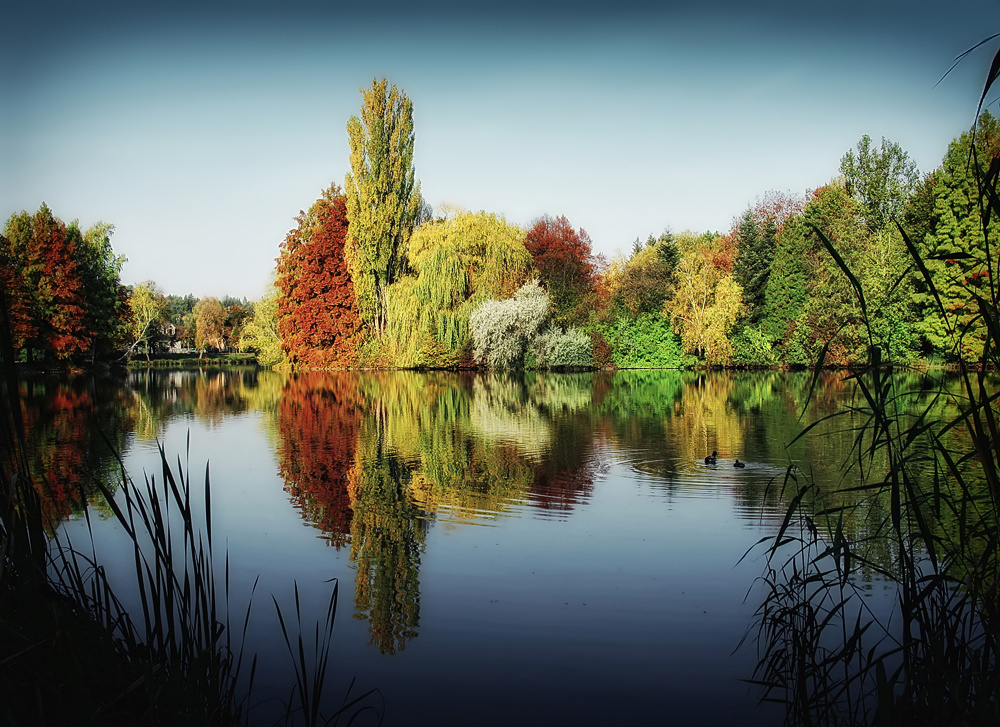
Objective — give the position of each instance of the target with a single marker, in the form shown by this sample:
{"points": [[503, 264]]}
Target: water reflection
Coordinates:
{"points": [[66, 421], [373, 460]]}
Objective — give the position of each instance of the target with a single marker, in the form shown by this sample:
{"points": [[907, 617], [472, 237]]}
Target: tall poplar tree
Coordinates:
{"points": [[383, 200]]}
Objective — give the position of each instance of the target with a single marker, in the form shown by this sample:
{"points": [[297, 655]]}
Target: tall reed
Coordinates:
{"points": [[927, 483]]}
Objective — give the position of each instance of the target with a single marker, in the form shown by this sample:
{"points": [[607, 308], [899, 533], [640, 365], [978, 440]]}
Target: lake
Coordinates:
{"points": [[510, 549]]}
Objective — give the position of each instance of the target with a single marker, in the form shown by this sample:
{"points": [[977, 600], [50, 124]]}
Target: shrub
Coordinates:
{"points": [[555, 348], [502, 329]]}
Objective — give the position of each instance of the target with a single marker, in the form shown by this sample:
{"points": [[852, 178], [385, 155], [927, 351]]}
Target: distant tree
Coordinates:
{"points": [[881, 180], [318, 319], [642, 283], [756, 241], [260, 332], [237, 315], [566, 265], [788, 285], [148, 311], [210, 320], [383, 199], [105, 298]]}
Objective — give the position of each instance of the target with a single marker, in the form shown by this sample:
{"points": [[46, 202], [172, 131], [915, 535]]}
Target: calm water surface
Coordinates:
{"points": [[541, 549]]}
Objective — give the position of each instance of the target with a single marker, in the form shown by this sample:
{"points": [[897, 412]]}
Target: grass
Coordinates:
{"points": [[924, 477]]}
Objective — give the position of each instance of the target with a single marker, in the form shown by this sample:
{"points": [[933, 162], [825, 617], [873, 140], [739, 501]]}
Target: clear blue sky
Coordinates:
{"points": [[200, 129]]}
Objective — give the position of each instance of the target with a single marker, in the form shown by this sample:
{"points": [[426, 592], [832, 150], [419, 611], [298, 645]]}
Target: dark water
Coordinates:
{"points": [[540, 549]]}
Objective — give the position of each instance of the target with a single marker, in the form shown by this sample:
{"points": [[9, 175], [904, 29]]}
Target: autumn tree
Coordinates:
{"points": [[209, 321], [642, 283], [317, 315], [147, 312], [42, 263], [706, 301], [382, 198], [566, 265]]}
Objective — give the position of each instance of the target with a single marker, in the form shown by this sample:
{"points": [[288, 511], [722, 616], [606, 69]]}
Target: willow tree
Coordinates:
{"points": [[383, 200], [457, 263]]}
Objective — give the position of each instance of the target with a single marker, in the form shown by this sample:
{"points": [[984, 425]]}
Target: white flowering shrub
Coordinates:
{"points": [[555, 348], [502, 329]]}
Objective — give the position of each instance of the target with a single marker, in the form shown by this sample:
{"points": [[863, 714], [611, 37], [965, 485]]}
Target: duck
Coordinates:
{"points": [[737, 463], [710, 459]]}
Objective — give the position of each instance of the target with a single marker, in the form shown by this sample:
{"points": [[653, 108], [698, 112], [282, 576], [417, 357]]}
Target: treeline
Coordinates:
{"points": [[372, 276], [67, 304]]}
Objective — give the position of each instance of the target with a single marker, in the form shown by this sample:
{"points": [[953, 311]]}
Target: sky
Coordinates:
{"points": [[200, 129]]}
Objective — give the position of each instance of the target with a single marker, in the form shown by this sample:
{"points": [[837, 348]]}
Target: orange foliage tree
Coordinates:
{"points": [[317, 314]]}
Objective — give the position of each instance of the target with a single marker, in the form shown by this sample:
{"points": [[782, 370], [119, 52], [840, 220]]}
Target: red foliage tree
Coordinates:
{"points": [[566, 265], [317, 316], [41, 266]]}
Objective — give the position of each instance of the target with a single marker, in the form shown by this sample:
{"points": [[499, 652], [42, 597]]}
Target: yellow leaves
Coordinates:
{"points": [[705, 306]]}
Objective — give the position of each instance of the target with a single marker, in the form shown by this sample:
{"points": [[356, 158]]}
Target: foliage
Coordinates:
{"points": [[756, 239], [317, 314], [105, 299], [458, 262], [642, 283], [502, 330], [646, 341], [927, 471], [209, 322], [148, 309], [555, 348], [43, 272], [706, 302], [260, 333], [953, 247], [566, 266], [752, 348], [383, 200], [881, 180], [787, 288]]}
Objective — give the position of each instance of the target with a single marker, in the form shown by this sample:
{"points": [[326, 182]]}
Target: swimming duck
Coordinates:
{"points": [[737, 463], [710, 459]]}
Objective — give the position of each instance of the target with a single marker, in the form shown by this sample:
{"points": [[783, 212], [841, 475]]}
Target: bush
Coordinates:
{"points": [[647, 341], [753, 349], [502, 329], [555, 348]]}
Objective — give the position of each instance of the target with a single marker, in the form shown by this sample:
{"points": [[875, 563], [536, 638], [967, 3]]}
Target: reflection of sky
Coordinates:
{"points": [[200, 130], [632, 591]]}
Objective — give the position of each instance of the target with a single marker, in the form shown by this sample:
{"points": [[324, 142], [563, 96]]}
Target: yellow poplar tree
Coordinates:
{"points": [[383, 199]]}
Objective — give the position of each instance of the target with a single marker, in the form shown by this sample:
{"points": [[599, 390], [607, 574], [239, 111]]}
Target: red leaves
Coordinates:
{"points": [[318, 421], [317, 316], [42, 273], [565, 263]]}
